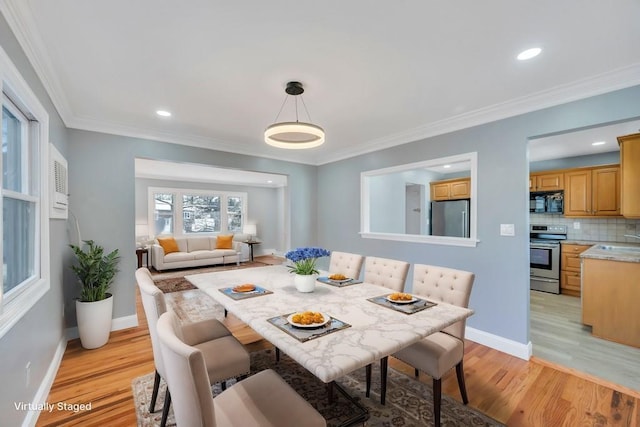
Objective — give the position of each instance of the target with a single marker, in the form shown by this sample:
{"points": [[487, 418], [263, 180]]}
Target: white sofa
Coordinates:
{"points": [[197, 251]]}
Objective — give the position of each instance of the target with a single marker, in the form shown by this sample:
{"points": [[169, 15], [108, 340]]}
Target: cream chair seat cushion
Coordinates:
{"points": [[444, 352], [229, 358], [266, 400]]}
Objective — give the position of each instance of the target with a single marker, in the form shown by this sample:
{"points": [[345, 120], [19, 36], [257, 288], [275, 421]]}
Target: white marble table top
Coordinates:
{"points": [[375, 331]]}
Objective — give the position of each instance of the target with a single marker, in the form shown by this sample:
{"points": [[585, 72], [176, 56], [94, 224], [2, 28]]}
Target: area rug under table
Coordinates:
{"points": [[409, 402]]}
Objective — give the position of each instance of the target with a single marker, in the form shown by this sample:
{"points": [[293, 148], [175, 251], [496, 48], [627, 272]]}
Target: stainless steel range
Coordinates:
{"points": [[544, 256]]}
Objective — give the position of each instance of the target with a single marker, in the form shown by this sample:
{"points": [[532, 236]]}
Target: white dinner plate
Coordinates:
{"points": [[326, 318], [409, 301]]}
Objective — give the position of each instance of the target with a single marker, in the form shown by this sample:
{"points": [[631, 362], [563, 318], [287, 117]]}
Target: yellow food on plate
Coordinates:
{"points": [[400, 296], [247, 287], [307, 318], [337, 276]]}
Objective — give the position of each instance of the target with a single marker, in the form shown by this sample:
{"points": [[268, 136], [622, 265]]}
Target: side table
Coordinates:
{"points": [[251, 243], [139, 253]]}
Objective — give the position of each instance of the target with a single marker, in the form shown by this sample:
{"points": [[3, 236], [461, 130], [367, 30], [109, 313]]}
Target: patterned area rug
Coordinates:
{"points": [[408, 401], [174, 281]]}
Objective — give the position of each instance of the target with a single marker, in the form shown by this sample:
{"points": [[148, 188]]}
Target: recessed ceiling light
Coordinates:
{"points": [[269, 182], [599, 143], [446, 166], [529, 53], [163, 113]]}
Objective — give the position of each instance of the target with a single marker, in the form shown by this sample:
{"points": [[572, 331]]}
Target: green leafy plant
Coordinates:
{"points": [[95, 270]]}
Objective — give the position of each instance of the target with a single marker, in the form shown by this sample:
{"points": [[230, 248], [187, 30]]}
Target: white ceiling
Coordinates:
{"points": [[579, 143], [376, 74]]}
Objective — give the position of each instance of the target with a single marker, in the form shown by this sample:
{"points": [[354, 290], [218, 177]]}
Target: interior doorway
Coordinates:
{"points": [[414, 209]]}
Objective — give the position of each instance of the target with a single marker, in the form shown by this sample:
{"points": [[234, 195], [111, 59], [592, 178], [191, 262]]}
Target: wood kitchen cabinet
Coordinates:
{"points": [[610, 295], [547, 181], [451, 189], [630, 175], [592, 192], [570, 268]]}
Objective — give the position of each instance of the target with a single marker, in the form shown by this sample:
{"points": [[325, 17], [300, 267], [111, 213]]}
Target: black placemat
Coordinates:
{"points": [[244, 295], [338, 283], [307, 334], [414, 307]]}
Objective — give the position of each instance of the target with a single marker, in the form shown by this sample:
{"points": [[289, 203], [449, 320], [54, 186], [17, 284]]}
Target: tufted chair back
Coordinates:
{"points": [[446, 285], [385, 272], [154, 306], [346, 263]]}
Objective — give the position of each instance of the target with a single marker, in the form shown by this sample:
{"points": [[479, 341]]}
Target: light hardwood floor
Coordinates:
{"points": [[559, 336], [511, 390]]}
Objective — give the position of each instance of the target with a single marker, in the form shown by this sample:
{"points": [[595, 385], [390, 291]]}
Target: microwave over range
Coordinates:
{"points": [[546, 202]]}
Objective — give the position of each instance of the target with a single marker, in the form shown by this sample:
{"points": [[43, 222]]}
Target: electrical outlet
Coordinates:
{"points": [[576, 225], [27, 374]]}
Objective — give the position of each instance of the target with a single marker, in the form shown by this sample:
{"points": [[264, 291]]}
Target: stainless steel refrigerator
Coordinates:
{"points": [[450, 218]]}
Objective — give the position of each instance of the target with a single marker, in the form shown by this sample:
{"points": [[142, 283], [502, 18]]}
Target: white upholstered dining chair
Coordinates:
{"points": [[263, 399], [391, 274], [345, 263], [224, 355], [440, 352]]}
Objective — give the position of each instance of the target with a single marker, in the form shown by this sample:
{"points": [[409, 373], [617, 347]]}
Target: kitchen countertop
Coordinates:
{"points": [[613, 255]]}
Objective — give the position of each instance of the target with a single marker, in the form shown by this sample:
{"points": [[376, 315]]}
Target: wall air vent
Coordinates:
{"points": [[58, 183]]}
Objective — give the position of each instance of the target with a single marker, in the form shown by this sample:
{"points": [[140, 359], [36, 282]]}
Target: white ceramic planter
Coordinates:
{"points": [[305, 283], [94, 322]]}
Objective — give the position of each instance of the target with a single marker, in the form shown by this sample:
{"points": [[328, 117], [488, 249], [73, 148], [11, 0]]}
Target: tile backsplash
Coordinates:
{"points": [[596, 229]]}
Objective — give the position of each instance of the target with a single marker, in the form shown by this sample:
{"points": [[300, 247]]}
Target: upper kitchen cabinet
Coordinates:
{"points": [[546, 181], [451, 189], [630, 175], [592, 192]]}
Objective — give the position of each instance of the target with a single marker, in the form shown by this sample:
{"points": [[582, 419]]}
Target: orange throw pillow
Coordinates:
{"points": [[224, 242], [169, 245]]}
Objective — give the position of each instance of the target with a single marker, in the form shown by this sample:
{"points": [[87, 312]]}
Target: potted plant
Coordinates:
{"points": [[304, 266], [94, 308]]}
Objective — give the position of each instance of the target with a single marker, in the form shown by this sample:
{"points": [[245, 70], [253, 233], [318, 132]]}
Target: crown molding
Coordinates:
{"points": [[20, 21], [596, 85], [92, 125]]}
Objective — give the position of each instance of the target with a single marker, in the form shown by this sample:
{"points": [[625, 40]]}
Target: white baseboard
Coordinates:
{"points": [[45, 386], [514, 348], [116, 325], [266, 251]]}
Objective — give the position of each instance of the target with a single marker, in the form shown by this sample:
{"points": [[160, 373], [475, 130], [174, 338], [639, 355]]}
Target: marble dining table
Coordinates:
{"points": [[375, 331]]}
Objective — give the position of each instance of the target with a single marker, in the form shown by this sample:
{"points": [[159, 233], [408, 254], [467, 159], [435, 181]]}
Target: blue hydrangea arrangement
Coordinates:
{"points": [[304, 260]]}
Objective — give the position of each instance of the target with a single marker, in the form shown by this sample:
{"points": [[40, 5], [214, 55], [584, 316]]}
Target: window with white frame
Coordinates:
{"points": [[189, 212], [25, 230]]}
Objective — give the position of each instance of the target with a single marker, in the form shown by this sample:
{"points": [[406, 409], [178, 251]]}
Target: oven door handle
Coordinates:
{"points": [[543, 279], [544, 245]]}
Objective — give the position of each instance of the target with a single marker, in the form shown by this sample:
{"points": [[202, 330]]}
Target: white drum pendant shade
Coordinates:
{"points": [[294, 135]]}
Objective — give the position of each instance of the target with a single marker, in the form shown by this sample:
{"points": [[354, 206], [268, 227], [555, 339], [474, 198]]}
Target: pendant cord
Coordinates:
{"points": [[281, 107]]}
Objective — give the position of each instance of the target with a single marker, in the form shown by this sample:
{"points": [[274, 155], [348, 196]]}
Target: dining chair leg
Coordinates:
{"points": [[154, 394], [165, 408], [225, 312], [461, 384], [223, 385], [277, 354], [384, 362], [330, 392], [368, 380], [437, 397], [416, 372]]}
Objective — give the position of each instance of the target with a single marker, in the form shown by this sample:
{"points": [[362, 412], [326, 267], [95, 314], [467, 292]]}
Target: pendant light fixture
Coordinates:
{"points": [[294, 135]]}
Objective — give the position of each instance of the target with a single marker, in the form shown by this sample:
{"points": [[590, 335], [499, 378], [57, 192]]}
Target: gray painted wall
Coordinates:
{"points": [[262, 207], [36, 336], [102, 187], [500, 296]]}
